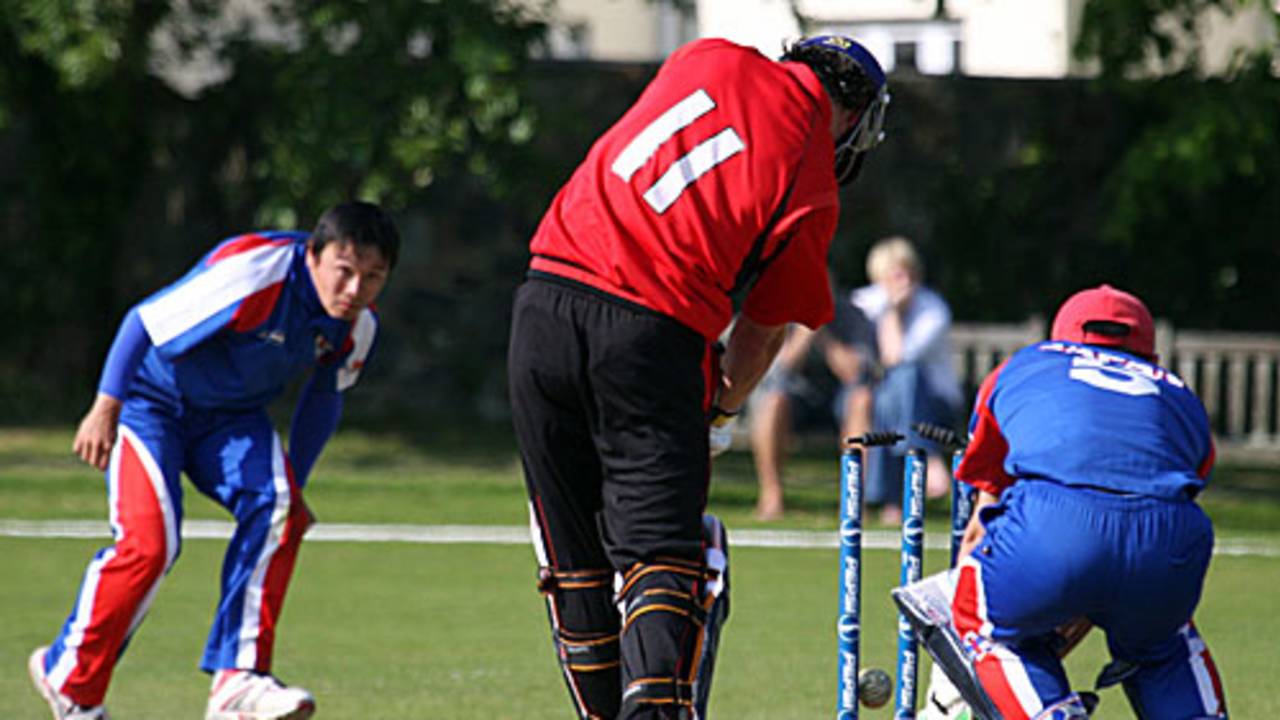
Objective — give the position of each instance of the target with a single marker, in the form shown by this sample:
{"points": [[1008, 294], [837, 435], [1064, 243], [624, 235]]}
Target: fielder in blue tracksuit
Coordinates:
{"points": [[1088, 457], [184, 389]]}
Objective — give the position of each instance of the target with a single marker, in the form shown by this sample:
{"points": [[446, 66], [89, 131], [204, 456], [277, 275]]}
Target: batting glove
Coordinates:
{"points": [[721, 430]]}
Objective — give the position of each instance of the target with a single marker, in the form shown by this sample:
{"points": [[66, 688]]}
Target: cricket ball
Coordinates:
{"points": [[874, 687]]}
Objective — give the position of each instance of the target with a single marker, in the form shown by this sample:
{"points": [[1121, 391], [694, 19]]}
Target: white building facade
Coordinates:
{"points": [[999, 38]]}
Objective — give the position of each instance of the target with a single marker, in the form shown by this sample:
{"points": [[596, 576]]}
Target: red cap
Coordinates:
{"points": [[1121, 319]]}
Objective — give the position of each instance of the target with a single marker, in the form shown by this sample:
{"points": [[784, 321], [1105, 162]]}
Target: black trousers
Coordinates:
{"points": [[609, 402]]}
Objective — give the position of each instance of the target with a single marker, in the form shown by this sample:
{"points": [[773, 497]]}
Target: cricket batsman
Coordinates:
{"points": [[714, 195], [184, 389], [1088, 457]]}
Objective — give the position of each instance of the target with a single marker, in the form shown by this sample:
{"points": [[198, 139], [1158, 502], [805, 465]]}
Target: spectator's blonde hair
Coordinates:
{"points": [[891, 252]]}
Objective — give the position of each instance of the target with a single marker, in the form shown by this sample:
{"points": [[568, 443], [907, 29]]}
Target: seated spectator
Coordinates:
{"points": [[917, 382], [798, 392]]}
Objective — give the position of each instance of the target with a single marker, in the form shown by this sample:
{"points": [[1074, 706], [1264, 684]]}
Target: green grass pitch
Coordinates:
{"points": [[396, 630]]}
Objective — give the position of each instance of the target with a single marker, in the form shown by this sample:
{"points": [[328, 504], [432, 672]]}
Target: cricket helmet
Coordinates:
{"points": [[855, 80], [1109, 317]]}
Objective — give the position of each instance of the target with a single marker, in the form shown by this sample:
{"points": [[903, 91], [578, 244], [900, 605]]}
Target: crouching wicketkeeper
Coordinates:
{"points": [[1088, 457]]}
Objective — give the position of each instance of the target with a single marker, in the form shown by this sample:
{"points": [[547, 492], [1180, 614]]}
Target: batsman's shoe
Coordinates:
{"points": [[63, 707], [246, 695]]}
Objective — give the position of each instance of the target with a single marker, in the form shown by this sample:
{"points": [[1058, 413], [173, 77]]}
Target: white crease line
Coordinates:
{"points": [[517, 535]]}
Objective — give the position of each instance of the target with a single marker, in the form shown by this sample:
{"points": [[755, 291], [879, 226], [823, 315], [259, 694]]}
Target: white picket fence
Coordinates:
{"points": [[1235, 374]]}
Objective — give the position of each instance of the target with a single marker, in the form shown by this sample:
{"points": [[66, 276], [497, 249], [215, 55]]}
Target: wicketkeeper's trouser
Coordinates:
{"points": [[1134, 566]]}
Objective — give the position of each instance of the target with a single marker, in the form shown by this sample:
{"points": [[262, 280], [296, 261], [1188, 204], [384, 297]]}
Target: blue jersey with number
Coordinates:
{"points": [[244, 322], [1082, 415]]}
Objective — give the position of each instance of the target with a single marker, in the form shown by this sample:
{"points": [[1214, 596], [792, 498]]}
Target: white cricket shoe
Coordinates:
{"points": [[246, 695], [63, 707]]}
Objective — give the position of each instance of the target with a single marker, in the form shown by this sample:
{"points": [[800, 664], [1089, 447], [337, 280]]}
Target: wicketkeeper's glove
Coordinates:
{"points": [[721, 430]]}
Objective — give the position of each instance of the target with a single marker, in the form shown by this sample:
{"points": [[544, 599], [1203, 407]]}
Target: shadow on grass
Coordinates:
{"points": [[386, 447], [1240, 498], [1246, 482]]}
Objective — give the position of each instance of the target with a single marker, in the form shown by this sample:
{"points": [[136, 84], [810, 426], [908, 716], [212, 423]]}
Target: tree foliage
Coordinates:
{"points": [[114, 175], [369, 99], [1132, 37], [1195, 190], [104, 164]]}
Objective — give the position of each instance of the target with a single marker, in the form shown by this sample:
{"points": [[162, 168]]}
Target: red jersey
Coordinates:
{"points": [[724, 147]]}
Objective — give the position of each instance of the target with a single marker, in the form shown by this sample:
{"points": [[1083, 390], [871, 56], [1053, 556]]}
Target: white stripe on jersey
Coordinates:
{"points": [[229, 281], [638, 151], [692, 166], [362, 334]]}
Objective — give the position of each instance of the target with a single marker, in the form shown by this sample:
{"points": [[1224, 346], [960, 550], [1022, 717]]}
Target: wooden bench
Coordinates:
{"points": [[1235, 374]]}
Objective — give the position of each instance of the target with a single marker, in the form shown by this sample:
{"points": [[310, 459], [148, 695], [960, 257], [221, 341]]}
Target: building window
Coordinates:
{"points": [[904, 56], [568, 41], [929, 47]]}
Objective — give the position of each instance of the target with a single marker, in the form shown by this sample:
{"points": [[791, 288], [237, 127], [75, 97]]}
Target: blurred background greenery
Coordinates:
{"points": [[117, 171]]}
